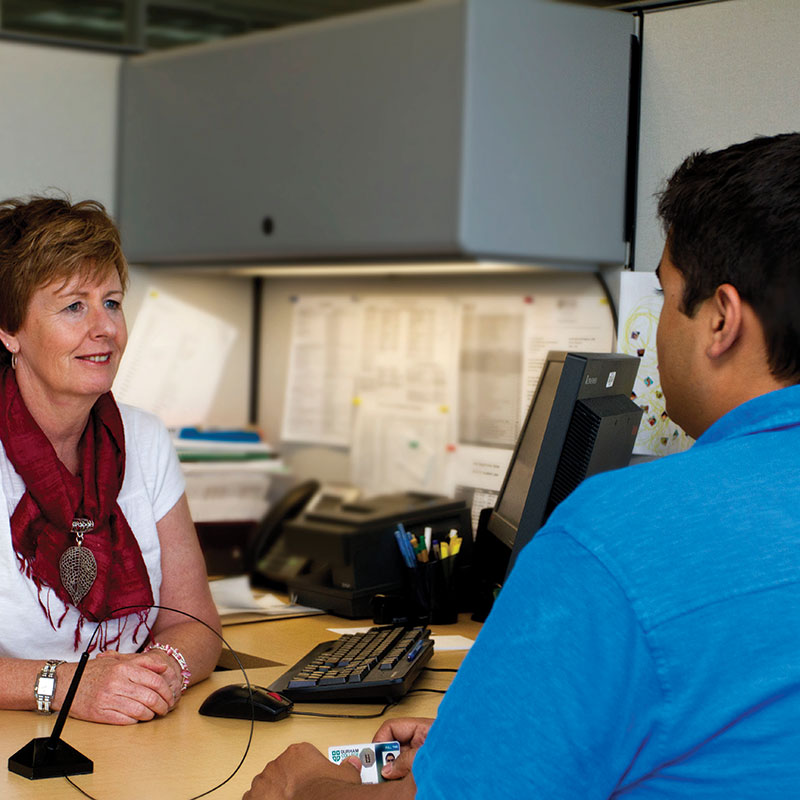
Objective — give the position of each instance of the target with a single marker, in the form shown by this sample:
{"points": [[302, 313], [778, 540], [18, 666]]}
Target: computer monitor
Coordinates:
{"points": [[581, 421]]}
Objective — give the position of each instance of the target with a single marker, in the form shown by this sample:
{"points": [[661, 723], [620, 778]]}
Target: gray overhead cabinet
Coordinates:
{"points": [[438, 129]]}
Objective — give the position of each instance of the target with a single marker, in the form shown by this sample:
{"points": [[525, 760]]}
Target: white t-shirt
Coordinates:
{"points": [[153, 484]]}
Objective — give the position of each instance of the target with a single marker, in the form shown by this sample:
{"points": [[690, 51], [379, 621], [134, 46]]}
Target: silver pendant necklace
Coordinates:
{"points": [[77, 565]]}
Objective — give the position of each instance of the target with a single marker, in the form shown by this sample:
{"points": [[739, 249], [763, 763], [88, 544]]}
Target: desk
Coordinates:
{"points": [[184, 753]]}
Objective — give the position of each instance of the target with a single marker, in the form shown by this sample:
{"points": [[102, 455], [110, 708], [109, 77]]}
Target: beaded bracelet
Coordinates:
{"points": [[178, 656]]}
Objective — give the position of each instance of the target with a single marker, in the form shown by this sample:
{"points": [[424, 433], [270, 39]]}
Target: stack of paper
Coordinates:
{"points": [[218, 444], [228, 473], [236, 602]]}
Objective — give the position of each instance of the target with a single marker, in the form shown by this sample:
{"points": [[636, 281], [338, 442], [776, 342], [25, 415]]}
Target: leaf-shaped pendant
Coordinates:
{"points": [[78, 570]]}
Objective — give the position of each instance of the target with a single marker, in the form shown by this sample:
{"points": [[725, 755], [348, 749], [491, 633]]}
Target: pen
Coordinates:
{"points": [[412, 653], [420, 550], [405, 548]]}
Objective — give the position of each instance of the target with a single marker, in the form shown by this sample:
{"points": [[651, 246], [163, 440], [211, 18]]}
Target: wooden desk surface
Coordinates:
{"points": [[185, 753]]}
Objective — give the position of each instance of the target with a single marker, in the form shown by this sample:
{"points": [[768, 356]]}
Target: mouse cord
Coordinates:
{"points": [[346, 716], [364, 716], [440, 669], [75, 786], [238, 662]]}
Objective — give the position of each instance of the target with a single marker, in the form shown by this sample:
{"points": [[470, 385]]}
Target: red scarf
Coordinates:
{"points": [[42, 521]]}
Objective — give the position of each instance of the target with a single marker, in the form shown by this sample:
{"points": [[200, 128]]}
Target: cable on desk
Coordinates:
{"points": [[440, 669], [365, 716], [346, 716], [236, 658], [75, 786]]}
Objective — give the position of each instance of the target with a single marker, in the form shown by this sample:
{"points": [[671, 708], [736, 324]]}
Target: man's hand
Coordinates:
{"points": [[411, 733], [301, 772]]}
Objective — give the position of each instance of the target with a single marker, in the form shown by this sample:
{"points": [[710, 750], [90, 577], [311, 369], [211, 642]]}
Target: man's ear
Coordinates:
{"points": [[725, 309]]}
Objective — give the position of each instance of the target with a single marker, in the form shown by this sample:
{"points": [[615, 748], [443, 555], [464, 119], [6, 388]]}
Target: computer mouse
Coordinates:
{"points": [[234, 701]]}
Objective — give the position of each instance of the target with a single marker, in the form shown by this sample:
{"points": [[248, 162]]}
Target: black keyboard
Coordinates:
{"points": [[375, 666]]}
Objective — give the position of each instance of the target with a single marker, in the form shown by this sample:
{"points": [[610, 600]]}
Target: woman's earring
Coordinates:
{"points": [[13, 361]]}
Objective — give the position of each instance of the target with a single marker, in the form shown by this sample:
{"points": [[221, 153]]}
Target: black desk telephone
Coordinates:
{"points": [[332, 549], [267, 559]]}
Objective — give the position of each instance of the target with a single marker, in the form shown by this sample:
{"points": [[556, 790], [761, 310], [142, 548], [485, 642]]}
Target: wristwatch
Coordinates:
{"points": [[45, 686]]}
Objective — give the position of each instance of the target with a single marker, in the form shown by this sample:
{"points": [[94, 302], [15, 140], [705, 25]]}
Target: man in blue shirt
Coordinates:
{"points": [[652, 627]]}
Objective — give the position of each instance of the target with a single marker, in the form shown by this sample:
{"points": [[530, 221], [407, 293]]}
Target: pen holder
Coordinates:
{"points": [[433, 592]]}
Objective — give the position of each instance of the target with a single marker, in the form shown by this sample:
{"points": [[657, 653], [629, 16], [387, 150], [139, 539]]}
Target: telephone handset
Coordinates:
{"points": [[267, 560]]}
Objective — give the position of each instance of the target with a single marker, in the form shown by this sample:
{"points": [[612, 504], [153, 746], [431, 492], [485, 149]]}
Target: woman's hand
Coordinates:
{"points": [[120, 689], [155, 658]]}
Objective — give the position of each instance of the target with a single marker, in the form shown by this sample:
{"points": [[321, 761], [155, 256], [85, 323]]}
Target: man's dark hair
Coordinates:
{"points": [[733, 216]]}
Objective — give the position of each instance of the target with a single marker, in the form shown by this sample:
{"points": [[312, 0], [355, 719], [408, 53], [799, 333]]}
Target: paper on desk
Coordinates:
{"points": [[174, 360], [234, 596], [345, 631], [441, 642], [451, 642]]}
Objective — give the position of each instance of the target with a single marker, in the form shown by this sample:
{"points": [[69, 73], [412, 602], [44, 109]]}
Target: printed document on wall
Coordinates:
{"points": [[504, 343], [406, 394], [346, 348], [639, 310], [410, 349], [579, 322], [174, 360], [490, 370], [478, 476], [401, 446], [324, 352]]}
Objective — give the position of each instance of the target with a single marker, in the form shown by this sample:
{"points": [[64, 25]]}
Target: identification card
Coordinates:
{"points": [[373, 757]]}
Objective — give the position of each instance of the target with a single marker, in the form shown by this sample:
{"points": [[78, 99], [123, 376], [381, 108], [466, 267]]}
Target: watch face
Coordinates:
{"points": [[45, 686]]}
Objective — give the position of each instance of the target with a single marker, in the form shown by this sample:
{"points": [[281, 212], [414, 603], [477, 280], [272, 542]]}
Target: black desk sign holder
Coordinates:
{"points": [[49, 756]]}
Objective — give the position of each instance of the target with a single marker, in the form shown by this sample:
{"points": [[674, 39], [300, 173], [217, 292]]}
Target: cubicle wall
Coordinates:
{"points": [[713, 75], [59, 131]]}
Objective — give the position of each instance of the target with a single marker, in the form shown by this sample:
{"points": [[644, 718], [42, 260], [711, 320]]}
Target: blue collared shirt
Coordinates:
{"points": [[647, 644]]}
